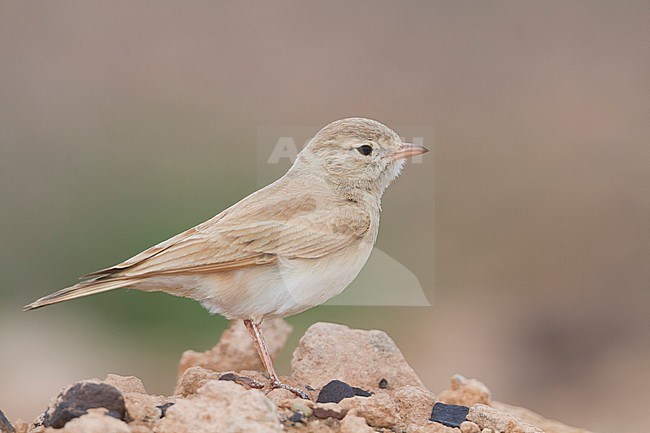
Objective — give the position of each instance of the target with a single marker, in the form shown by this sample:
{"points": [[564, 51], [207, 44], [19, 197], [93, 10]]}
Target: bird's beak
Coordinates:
{"points": [[409, 149]]}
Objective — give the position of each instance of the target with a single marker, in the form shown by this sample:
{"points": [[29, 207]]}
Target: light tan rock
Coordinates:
{"points": [[223, 407], [413, 404], [379, 410], [143, 408], [280, 396], [432, 427], [21, 426], [498, 420], [465, 392], [194, 378], [95, 421], [359, 358], [355, 424], [329, 410], [469, 427], [530, 417], [235, 350], [140, 429], [126, 383]]}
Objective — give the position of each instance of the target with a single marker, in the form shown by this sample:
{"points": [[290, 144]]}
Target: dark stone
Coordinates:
{"points": [[309, 388], [78, 398], [297, 417], [335, 391], [450, 415], [383, 384], [163, 408], [321, 412], [5, 425], [358, 392]]}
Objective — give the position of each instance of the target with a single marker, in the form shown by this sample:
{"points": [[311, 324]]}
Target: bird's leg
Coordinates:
{"points": [[260, 345]]}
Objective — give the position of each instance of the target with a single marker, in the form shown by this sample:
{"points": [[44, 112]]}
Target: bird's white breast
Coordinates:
{"points": [[282, 289]]}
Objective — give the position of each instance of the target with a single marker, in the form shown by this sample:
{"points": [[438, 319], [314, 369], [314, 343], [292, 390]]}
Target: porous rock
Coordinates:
{"points": [[235, 350], [469, 427], [379, 410], [497, 420], [144, 409], [530, 417], [126, 383], [465, 392], [194, 378], [329, 410], [95, 421], [367, 357], [75, 401], [224, 407], [413, 405], [355, 424]]}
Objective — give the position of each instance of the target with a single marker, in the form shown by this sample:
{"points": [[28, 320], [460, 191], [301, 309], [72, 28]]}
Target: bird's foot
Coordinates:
{"points": [[242, 380], [275, 384]]}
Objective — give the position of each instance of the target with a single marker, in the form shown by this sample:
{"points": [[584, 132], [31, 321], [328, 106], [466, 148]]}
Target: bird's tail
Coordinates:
{"points": [[84, 288]]}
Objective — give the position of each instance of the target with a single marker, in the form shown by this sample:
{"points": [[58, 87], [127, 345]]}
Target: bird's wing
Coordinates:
{"points": [[253, 232]]}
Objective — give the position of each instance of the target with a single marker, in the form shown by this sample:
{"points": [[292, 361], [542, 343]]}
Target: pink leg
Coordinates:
{"points": [[260, 345]]}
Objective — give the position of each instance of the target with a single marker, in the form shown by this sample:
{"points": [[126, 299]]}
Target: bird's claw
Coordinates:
{"points": [[276, 384]]}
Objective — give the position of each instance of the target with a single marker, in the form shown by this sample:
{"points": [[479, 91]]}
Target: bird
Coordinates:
{"points": [[283, 249]]}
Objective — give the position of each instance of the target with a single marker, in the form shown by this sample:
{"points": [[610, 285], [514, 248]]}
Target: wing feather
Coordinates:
{"points": [[252, 232]]}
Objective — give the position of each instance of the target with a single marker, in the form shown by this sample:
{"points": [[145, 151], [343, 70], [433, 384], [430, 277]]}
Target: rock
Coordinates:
{"points": [[144, 409], [224, 407], [465, 392], [451, 415], [235, 350], [383, 383], [355, 424], [21, 426], [299, 405], [335, 391], [469, 427], [379, 410], [194, 378], [497, 420], [530, 417], [279, 396], [367, 357], [413, 405], [95, 421], [75, 401], [126, 383], [329, 410], [5, 425], [433, 427]]}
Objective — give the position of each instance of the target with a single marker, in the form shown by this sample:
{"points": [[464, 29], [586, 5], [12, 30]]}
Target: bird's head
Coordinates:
{"points": [[357, 153]]}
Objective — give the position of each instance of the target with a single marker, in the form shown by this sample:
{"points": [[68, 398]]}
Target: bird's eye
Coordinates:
{"points": [[365, 149]]}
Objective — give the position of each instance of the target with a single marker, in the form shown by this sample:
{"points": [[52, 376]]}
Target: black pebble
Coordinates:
{"points": [[5, 425], [297, 417], [80, 397], [450, 415], [335, 391], [163, 408], [383, 384]]}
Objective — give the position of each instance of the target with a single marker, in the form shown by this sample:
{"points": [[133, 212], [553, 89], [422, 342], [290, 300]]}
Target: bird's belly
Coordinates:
{"points": [[282, 289]]}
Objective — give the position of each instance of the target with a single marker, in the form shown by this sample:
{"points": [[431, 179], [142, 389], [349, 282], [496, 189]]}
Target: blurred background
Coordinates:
{"points": [[528, 227]]}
